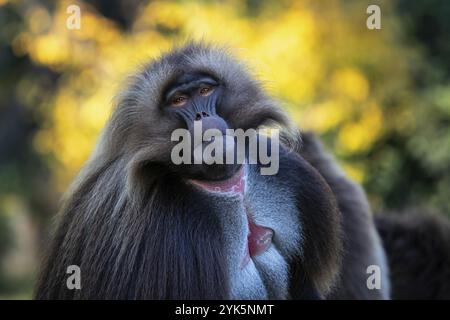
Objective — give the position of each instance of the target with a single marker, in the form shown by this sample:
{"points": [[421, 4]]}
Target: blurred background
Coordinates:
{"points": [[380, 99]]}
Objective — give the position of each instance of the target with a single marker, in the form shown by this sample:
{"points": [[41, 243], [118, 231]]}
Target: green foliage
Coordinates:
{"points": [[413, 168]]}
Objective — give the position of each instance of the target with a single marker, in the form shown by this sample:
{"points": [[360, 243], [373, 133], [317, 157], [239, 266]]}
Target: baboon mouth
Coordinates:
{"points": [[233, 185]]}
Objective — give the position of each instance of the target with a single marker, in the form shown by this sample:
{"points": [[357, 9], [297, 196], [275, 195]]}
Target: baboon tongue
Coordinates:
{"points": [[259, 238]]}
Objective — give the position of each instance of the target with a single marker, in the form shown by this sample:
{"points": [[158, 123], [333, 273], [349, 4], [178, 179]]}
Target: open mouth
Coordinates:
{"points": [[233, 185], [259, 238]]}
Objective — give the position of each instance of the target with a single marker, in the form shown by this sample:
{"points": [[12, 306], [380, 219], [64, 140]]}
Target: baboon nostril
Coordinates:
{"points": [[200, 116]]}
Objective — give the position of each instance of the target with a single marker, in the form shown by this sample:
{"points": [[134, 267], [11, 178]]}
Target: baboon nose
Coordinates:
{"points": [[200, 115], [214, 122]]}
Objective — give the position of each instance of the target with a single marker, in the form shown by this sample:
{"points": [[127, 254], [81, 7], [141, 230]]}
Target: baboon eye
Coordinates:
{"points": [[179, 101], [205, 91]]}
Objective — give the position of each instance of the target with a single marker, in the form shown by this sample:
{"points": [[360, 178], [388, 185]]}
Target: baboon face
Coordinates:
{"points": [[192, 85], [195, 99]]}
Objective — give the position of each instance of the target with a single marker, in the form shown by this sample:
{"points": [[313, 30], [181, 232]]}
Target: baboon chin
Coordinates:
{"points": [[140, 226]]}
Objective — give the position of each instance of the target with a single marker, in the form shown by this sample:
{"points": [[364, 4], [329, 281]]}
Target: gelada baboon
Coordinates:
{"points": [[141, 227]]}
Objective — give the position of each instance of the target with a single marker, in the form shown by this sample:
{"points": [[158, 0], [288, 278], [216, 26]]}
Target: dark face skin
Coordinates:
{"points": [[196, 97]]}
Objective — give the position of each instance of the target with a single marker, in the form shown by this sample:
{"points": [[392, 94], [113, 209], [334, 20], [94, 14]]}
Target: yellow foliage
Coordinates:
{"points": [[351, 83], [50, 49], [325, 116], [359, 136], [355, 172]]}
